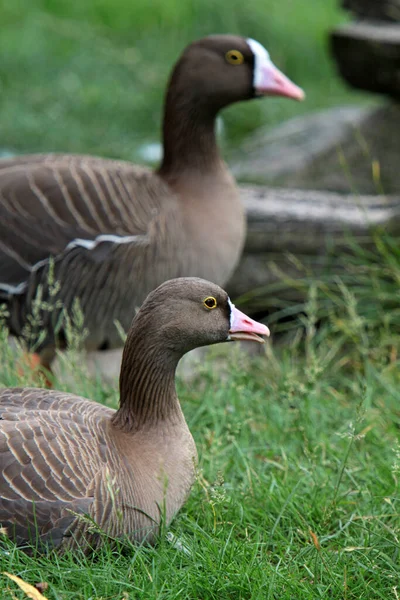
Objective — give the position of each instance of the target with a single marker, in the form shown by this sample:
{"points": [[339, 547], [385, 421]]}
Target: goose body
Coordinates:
{"points": [[108, 231], [60, 457], [110, 273], [63, 457]]}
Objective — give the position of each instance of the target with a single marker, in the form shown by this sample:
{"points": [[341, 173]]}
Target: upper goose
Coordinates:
{"points": [[116, 230], [61, 454]]}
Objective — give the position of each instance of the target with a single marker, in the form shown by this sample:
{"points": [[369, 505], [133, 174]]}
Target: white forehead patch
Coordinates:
{"points": [[232, 315], [261, 58]]}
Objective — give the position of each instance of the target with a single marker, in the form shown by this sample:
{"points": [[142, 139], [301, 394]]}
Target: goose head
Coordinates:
{"points": [[178, 316], [189, 312], [218, 70]]}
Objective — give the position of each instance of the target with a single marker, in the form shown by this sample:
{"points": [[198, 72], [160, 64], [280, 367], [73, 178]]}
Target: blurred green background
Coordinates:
{"points": [[89, 75]]}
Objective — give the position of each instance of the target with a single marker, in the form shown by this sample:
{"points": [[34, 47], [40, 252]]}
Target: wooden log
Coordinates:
{"points": [[384, 10], [368, 55], [299, 232], [280, 219]]}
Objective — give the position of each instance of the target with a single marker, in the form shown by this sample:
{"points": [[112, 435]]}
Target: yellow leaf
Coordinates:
{"points": [[27, 588]]}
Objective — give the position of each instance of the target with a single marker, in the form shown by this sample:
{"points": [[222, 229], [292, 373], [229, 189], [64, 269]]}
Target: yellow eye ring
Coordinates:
{"points": [[210, 302], [234, 57]]}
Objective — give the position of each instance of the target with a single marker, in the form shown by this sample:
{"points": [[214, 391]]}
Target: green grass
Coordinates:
{"points": [[89, 76], [297, 495]]}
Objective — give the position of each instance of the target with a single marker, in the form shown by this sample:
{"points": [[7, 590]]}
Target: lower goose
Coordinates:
{"points": [[63, 457]]}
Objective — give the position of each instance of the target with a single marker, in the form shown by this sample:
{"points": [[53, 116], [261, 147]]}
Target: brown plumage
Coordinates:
{"points": [[114, 230], [62, 456]]}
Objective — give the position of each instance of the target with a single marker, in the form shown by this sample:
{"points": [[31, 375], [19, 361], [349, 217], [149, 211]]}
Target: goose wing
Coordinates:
{"points": [[53, 204], [52, 456]]}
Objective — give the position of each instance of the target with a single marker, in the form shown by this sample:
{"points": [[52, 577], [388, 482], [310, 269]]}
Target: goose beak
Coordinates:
{"points": [[244, 328], [270, 81], [267, 79]]}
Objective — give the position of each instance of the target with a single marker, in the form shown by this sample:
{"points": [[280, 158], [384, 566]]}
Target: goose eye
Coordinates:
{"points": [[234, 57], [210, 302]]}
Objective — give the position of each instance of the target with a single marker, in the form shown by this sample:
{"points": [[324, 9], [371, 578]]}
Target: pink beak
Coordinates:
{"points": [[267, 79], [272, 82], [244, 328]]}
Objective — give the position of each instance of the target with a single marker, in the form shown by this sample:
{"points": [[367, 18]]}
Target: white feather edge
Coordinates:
{"points": [[76, 243], [231, 316], [261, 58]]}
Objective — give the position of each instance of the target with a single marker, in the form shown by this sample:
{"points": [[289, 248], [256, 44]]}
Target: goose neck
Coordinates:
{"points": [[189, 140], [147, 383]]}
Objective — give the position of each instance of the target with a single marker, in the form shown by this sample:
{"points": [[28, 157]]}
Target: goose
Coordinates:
{"points": [[63, 457], [106, 232]]}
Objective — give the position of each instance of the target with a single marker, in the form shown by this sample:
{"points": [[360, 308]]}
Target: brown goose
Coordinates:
{"points": [[61, 455], [115, 230]]}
